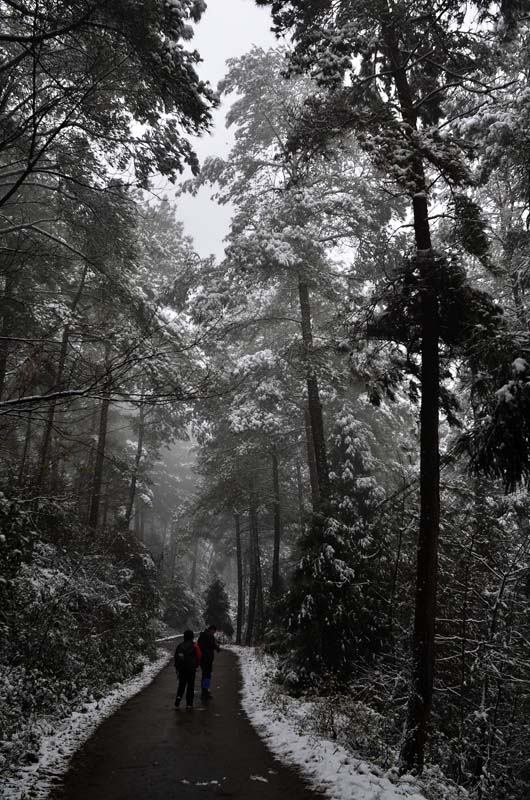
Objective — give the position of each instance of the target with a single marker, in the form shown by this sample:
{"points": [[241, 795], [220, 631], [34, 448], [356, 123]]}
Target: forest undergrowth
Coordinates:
{"points": [[77, 617], [367, 740]]}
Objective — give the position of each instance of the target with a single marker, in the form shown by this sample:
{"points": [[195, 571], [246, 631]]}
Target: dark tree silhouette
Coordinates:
{"points": [[217, 607]]}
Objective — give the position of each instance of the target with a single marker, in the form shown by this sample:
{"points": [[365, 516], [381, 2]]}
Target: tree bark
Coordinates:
{"points": [[252, 595], [395, 575], [239, 563], [420, 705], [260, 614], [518, 301], [6, 327], [254, 578], [136, 518], [275, 584], [193, 577], [421, 696], [105, 512], [27, 443], [172, 546], [141, 521], [311, 461], [463, 644], [313, 401], [43, 466], [93, 518], [136, 468], [85, 467], [300, 489]]}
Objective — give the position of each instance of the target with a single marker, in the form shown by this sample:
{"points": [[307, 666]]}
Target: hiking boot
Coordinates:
{"points": [[177, 701]]}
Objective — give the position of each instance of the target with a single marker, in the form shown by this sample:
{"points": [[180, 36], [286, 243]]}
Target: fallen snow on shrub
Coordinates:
{"points": [[328, 766], [57, 748]]}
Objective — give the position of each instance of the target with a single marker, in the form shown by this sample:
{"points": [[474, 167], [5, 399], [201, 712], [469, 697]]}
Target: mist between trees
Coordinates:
{"points": [[321, 440]]}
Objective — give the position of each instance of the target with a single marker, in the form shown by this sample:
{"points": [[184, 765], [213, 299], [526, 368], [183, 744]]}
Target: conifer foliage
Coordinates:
{"points": [[318, 442], [217, 607], [389, 71], [96, 97]]}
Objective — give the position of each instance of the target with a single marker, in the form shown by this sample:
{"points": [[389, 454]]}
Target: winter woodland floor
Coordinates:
{"points": [[147, 749]]}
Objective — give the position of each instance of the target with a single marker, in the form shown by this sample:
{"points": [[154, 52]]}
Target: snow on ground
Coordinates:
{"points": [[56, 749], [329, 767]]}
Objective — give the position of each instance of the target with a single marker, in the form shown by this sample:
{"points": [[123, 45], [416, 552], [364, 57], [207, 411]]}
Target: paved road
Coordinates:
{"points": [[150, 751]]}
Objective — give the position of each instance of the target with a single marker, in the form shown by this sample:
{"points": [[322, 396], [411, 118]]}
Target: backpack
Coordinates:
{"points": [[185, 657]]}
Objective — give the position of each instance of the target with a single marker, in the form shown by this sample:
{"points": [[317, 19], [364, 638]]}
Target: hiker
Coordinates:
{"points": [[208, 644], [187, 659]]}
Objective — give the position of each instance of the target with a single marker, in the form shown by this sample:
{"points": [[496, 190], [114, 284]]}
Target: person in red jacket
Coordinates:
{"points": [[187, 658]]}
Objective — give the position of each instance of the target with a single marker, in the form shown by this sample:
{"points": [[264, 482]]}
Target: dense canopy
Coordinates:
{"points": [[318, 441]]}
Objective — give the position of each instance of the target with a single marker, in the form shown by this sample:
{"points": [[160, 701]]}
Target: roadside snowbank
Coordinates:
{"points": [[328, 766], [57, 748]]}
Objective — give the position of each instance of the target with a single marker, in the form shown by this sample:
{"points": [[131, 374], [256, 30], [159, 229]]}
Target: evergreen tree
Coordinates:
{"points": [[217, 607], [389, 70]]}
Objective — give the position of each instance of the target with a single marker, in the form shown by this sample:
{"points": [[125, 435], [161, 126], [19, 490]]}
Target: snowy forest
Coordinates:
{"points": [[318, 441]]}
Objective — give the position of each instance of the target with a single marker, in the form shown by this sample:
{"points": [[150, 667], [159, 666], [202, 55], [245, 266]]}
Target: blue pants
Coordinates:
{"points": [[206, 669]]}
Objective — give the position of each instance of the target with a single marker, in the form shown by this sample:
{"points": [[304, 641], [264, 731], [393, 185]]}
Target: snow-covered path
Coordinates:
{"points": [[147, 749]]}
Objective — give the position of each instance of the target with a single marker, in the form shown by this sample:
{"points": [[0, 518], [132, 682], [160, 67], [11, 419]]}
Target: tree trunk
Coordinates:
{"points": [[86, 467], [105, 512], [314, 405], [300, 489], [517, 299], [245, 559], [193, 578], [311, 461], [514, 271], [251, 610], [42, 469], [141, 521], [43, 466], [253, 594], [420, 704], [55, 469], [239, 562], [136, 469], [27, 443], [44, 460], [93, 518], [260, 602], [394, 583], [6, 327], [275, 584], [136, 518], [172, 546], [421, 696], [463, 647]]}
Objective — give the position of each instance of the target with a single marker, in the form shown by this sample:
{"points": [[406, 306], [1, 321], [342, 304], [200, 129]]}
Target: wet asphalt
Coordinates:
{"points": [[148, 750]]}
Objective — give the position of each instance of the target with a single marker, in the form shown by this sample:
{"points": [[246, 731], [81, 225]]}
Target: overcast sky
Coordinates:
{"points": [[228, 28]]}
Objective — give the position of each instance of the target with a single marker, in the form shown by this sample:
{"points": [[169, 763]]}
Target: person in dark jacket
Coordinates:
{"points": [[187, 659], [208, 644]]}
